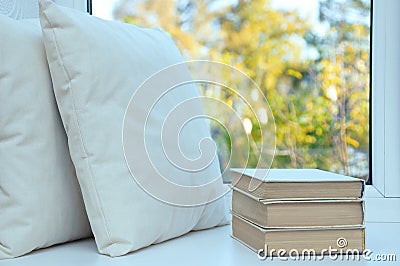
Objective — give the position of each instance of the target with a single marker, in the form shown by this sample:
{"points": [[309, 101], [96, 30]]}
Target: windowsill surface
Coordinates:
{"points": [[208, 247], [372, 192]]}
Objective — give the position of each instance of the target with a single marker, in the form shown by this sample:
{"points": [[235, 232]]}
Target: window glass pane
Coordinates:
{"points": [[310, 58]]}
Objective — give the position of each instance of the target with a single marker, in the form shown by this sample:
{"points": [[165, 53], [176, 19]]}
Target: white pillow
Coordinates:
{"points": [[40, 199], [96, 66]]}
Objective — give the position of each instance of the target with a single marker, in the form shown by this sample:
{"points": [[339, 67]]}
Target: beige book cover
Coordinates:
{"points": [[297, 213], [297, 184], [319, 241]]}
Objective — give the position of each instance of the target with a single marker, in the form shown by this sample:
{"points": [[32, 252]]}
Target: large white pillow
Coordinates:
{"points": [[40, 199], [96, 66]]}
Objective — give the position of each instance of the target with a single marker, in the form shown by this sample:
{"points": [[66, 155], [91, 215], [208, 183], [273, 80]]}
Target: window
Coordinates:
{"points": [[312, 61]]}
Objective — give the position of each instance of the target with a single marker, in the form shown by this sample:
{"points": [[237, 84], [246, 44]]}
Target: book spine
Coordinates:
{"points": [[362, 188], [363, 212]]}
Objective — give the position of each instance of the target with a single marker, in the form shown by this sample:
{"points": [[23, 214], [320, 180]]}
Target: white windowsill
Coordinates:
{"points": [[380, 209], [208, 247], [372, 192], [216, 247]]}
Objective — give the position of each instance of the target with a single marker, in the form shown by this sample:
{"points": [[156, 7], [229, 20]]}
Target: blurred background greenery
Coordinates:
{"points": [[312, 64]]}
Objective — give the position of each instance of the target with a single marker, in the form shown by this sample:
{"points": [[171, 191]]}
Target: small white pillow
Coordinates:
{"points": [[40, 199], [96, 66]]}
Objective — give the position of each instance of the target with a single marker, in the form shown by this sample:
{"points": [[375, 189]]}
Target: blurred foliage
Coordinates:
{"points": [[314, 72]]}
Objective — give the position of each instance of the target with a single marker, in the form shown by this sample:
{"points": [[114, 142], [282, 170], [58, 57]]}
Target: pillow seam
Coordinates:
{"points": [[66, 74]]}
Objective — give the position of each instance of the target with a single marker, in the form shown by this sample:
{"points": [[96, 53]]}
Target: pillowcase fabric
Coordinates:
{"points": [[40, 199], [96, 66]]}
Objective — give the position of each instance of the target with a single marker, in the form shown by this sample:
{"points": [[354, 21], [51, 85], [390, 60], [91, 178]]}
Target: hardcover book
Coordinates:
{"points": [[319, 241], [297, 213], [296, 184]]}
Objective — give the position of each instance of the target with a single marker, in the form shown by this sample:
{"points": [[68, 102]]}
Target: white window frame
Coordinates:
{"points": [[383, 196]]}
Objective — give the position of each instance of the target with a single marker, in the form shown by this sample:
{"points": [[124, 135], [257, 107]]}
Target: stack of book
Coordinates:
{"points": [[297, 209]]}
